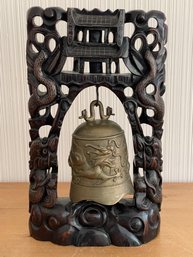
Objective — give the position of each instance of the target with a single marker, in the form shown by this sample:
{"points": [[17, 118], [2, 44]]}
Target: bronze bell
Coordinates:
{"points": [[99, 159]]}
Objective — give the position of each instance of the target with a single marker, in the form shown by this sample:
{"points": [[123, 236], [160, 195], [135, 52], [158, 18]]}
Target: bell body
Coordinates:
{"points": [[99, 162]]}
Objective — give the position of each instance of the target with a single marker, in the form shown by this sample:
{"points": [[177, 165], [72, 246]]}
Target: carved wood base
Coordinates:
{"points": [[88, 223]]}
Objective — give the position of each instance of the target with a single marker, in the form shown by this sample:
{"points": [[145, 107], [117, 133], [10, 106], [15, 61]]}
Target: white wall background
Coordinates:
{"points": [[178, 128]]}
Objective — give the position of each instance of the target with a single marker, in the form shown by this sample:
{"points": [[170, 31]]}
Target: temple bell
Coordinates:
{"points": [[99, 159]]}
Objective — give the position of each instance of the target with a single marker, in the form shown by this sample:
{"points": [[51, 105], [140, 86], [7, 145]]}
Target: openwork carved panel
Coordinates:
{"points": [[98, 38]]}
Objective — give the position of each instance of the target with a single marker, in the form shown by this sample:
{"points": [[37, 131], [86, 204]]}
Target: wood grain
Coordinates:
{"points": [[175, 238]]}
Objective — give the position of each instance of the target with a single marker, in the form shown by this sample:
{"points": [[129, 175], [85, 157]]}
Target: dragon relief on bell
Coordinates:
{"points": [[99, 160]]}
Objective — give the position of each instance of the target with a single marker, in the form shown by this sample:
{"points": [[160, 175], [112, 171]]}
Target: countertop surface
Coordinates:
{"points": [[175, 238]]}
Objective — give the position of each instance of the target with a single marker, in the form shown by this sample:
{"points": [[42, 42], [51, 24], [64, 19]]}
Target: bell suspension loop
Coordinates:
{"points": [[103, 116]]}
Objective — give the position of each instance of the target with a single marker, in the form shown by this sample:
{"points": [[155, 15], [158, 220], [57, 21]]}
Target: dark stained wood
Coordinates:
{"points": [[129, 222]]}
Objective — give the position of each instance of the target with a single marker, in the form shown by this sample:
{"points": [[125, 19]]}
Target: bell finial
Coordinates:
{"points": [[96, 103]]}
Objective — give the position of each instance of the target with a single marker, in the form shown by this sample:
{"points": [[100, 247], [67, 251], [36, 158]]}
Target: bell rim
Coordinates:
{"points": [[91, 195]]}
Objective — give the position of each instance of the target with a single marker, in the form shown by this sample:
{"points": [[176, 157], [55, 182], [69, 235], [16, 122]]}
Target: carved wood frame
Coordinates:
{"points": [[128, 222]]}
